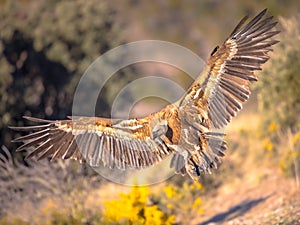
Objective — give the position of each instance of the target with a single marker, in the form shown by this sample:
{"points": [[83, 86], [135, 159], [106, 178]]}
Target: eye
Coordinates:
{"points": [[202, 120], [214, 51]]}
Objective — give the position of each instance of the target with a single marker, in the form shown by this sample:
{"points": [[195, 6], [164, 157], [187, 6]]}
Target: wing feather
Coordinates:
{"points": [[251, 23], [114, 143], [96, 152], [230, 70], [70, 151]]}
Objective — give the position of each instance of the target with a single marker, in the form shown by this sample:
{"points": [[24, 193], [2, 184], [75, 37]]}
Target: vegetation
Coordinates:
{"points": [[45, 46], [145, 206], [279, 98], [190, 194], [44, 50], [135, 208], [279, 91]]}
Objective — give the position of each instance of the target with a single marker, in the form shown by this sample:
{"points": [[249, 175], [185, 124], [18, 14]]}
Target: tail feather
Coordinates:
{"points": [[178, 163], [201, 161]]}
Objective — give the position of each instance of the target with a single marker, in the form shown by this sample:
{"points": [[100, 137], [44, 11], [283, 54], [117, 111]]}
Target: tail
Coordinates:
{"points": [[201, 161]]}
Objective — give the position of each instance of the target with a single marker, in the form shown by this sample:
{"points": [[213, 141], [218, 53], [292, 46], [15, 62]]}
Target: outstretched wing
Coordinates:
{"points": [[133, 143], [217, 95], [224, 83]]}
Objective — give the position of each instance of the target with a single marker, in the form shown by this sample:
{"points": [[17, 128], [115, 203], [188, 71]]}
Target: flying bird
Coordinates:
{"points": [[188, 128]]}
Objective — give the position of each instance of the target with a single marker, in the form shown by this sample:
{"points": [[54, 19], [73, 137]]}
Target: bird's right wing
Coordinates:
{"points": [[132, 143]]}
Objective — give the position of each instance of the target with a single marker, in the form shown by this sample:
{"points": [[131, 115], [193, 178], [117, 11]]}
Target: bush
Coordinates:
{"points": [[279, 92], [45, 46], [76, 214], [12, 221], [183, 201], [135, 208], [290, 158], [279, 98]]}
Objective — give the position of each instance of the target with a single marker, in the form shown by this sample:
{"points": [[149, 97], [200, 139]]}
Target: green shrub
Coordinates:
{"points": [[290, 158], [45, 47], [279, 92], [279, 99], [184, 201], [12, 221]]}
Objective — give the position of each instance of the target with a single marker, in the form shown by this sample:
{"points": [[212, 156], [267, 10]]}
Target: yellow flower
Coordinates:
{"points": [[296, 138], [126, 208], [197, 186], [132, 208], [169, 206], [197, 203], [155, 216], [273, 127], [200, 211], [267, 144], [170, 191]]}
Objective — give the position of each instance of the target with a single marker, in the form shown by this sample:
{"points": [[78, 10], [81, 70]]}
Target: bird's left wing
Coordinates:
{"points": [[217, 95], [224, 83]]}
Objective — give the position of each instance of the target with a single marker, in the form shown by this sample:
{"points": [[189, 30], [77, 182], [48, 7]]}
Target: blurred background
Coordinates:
{"points": [[45, 47]]}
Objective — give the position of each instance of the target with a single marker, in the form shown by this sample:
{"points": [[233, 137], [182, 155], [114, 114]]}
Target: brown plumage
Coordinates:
{"points": [[185, 128]]}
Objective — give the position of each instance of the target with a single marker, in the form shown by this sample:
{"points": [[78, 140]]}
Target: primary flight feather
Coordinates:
{"points": [[185, 128]]}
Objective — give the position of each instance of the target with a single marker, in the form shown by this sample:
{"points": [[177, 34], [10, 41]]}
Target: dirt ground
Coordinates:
{"points": [[274, 200]]}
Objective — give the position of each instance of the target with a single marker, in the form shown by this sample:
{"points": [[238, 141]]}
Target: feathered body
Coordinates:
{"points": [[185, 128]]}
